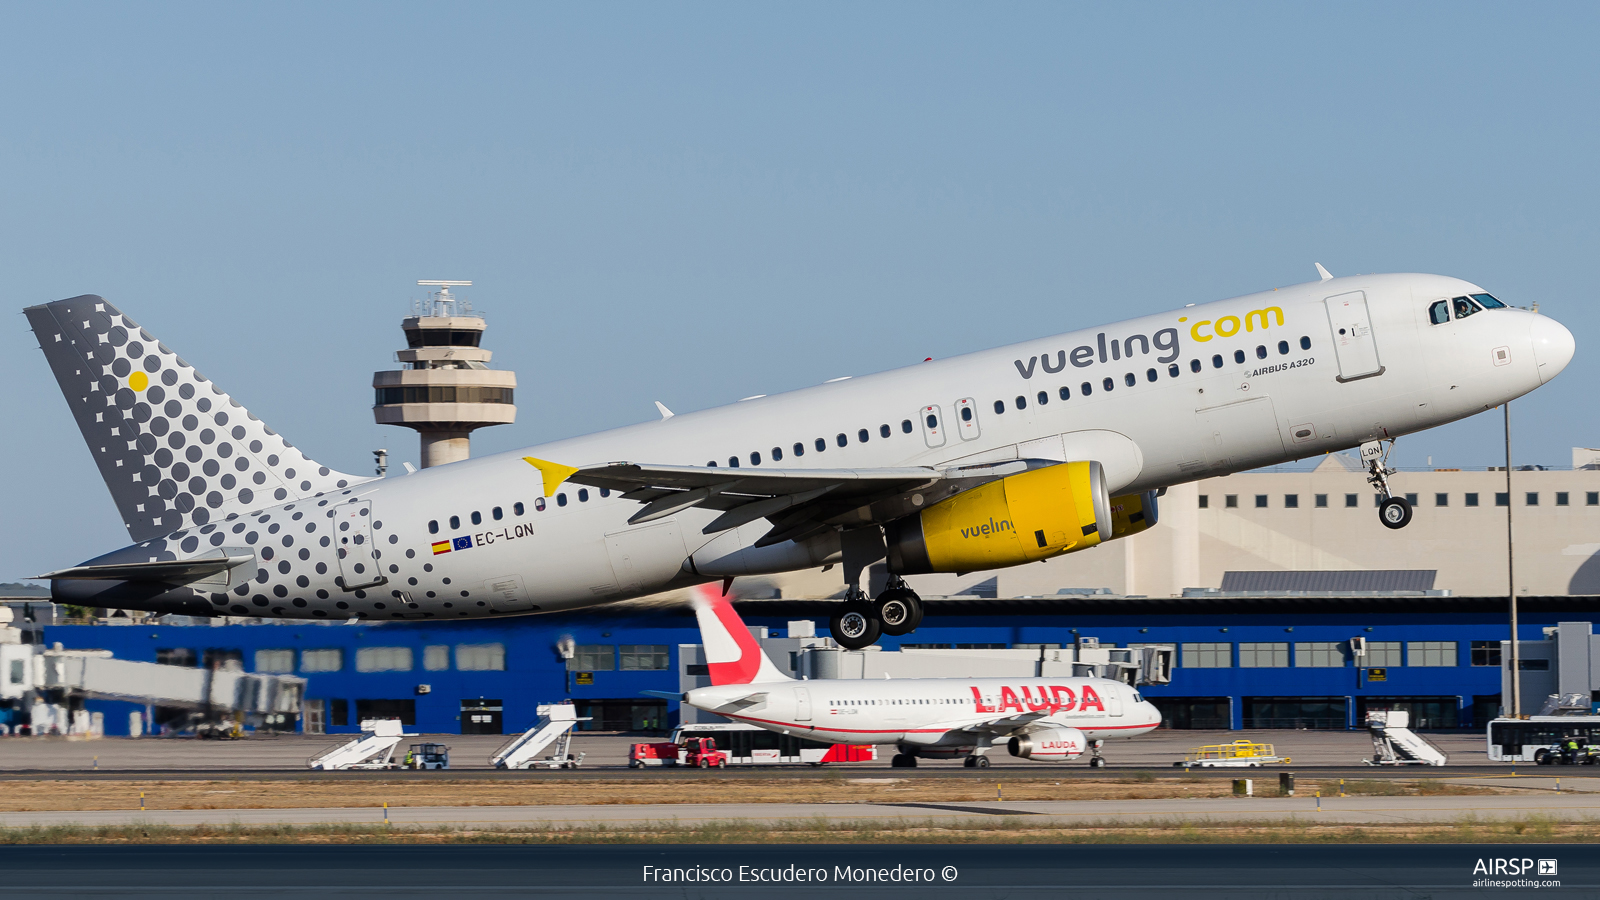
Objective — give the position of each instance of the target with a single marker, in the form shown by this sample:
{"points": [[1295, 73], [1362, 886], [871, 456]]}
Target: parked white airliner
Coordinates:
{"points": [[1045, 719], [991, 459]]}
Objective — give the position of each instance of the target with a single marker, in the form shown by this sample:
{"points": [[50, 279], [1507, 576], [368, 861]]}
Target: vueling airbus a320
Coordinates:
{"points": [[991, 459]]}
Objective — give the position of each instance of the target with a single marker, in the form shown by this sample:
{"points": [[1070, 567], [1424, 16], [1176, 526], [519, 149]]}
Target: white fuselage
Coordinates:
{"points": [[931, 712], [1159, 400]]}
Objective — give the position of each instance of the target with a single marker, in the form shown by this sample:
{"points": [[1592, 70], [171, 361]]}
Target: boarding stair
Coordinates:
{"points": [[552, 732], [374, 749], [1395, 744]]}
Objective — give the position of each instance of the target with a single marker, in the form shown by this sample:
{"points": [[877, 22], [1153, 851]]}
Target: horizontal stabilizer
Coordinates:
{"points": [[179, 571], [664, 695]]}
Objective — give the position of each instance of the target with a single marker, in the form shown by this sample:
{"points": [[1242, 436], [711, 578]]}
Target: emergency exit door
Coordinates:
{"points": [[358, 566], [1353, 342]]}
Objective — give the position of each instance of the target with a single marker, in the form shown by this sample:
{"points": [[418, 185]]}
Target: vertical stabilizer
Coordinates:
{"points": [[174, 449], [733, 656]]}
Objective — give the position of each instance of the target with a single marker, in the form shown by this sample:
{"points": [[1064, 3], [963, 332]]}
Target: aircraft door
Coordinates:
{"points": [[802, 705], [358, 567], [1114, 703], [932, 426], [1353, 342], [967, 418]]}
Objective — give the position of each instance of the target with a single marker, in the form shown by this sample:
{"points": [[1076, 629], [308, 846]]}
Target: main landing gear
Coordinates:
{"points": [[860, 622], [1096, 761], [1393, 512]]}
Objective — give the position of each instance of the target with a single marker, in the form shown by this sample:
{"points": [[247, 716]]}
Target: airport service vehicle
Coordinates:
{"points": [[991, 459], [1543, 739], [1395, 744], [1045, 719], [1237, 755], [748, 745], [372, 749], [695, 752], [427, 756], [551, 732]]}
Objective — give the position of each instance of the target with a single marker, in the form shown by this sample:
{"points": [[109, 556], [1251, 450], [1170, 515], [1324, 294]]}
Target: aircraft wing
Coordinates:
{"points": [[1004, 724]]}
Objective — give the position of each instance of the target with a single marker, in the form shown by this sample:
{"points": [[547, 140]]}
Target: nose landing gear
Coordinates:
{"points": [[1393, 512], [859, 622]]}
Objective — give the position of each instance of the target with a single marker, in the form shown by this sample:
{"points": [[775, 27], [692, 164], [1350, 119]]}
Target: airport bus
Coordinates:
{"points": [[1521, 740], [749, 745]]}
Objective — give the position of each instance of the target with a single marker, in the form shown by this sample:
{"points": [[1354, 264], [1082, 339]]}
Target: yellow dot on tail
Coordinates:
{"points": [[138, 381]]}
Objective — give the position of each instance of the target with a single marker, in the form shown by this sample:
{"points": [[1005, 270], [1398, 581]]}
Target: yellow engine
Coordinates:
{"points": [[1132, 513], [1021, 518]]}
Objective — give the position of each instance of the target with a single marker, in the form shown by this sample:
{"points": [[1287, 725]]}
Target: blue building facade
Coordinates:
{"points": [[1251, 662]]}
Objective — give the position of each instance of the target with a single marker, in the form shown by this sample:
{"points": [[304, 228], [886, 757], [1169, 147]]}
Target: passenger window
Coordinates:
{"points": [[1238, 356], [433, 527], [862, 435], [561, 499], [1065, 392], [1108, 384], [1172, 370], [884, 431], [1488, 302], [755, 457], [1439, 312], [1022, 402], [1043, 398], [841, 440], [1261, 351], [1151, 375], [711, 464], [799, 449], [517, 509], [905, 425], [1129, 380], [538, 504], [1283, 348], [966, 416], [477, 517], [821, 445], [605, 492], [1305, 343], [1194, 365], [733, 462], [583, 495], [455, 523], [498, 515], [1464, 307], [777, 453], [1086, 389], [999, 407], [1216, 360]]}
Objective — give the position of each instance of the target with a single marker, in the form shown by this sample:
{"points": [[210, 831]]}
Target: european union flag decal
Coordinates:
{"points": [[462, 543]]}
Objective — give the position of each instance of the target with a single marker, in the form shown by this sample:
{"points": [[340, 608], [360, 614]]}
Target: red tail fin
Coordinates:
{"points": [[732, 654]]}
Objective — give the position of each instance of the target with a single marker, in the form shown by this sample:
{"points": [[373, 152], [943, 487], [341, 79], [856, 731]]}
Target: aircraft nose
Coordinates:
{"points": [[1553, 346]]}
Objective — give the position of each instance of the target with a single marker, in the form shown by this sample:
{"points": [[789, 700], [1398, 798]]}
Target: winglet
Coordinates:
{"points": [[665, 413], [1323, 272], [554, 473]]}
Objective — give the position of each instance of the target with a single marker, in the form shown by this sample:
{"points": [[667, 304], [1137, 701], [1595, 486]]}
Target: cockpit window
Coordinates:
{"points": [[1465, 307], [1488, 302], [1439, 312]]}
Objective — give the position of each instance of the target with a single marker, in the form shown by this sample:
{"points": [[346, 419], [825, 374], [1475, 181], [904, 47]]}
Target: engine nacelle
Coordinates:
{"points": [[1018, 519], [1049, 744], [1132, 513]]}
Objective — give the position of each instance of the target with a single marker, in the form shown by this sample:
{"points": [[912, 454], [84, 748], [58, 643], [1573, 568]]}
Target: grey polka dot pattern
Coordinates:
{"points": [[160, 431]]}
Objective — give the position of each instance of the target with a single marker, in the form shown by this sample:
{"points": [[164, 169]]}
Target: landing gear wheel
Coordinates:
{"points": [[854, 627], [977, 762], [899, 610], [903, 761], [1394, 512], [1097, 762]]}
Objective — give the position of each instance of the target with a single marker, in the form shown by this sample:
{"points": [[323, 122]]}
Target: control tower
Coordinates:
{"points": [[445, 388]]}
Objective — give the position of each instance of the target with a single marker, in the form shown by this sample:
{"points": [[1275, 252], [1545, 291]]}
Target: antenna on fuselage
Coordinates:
{"points": [[1326, 276]]}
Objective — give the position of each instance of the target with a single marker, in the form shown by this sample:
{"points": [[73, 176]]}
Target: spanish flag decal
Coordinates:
{"points": [[441, 547]]}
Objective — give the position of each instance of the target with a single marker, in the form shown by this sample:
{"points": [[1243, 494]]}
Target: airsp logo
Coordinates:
{"points": [[1502, 866]]}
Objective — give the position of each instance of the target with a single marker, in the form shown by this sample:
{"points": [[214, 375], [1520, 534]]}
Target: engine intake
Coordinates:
{"points": [[1049, 744]]}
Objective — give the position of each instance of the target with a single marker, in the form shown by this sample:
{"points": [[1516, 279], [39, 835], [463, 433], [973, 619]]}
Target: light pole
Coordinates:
{"points": [[1511, 581]]}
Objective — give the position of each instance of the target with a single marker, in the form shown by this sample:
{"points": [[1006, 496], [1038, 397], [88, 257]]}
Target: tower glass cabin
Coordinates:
{"points": [[445, 387]]}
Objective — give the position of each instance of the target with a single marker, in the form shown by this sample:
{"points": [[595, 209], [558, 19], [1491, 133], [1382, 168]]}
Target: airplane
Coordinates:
{"points": [[996, 458], [1043, 719]]}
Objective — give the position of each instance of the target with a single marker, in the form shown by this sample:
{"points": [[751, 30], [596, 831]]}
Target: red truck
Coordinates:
{"points": [[699, 752]]}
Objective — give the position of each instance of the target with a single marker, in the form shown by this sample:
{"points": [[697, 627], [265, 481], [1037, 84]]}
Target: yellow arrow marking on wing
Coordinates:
{"points": [[554, 473]]}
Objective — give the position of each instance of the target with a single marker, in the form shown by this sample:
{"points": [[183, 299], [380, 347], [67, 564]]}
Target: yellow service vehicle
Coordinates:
{"points": [[1238, 755]]}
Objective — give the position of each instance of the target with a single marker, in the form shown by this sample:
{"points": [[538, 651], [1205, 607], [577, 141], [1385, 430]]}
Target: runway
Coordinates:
{"points": [[1566, 806]]}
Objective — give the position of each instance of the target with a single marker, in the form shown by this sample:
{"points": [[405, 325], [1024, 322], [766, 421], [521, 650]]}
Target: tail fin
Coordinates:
{"points": [[174, 449], [732, 654]]}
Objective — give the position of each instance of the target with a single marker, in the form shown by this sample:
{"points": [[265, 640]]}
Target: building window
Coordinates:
{"points": [[1352, 500], [1261, 501], [1291, 501], [1383, 654], [1412, 499], [1441, 499], [643, 657], [174, 656], [1322, 501], [482, 657], [436, 657], [404, 710], [1502, 499], [1319, 654], [275, 661], [1205, 501], [1486, 653], [1231, 501], [330, 659], [1563, 498], [1469, 499], [1431, 653], [383, 659], [1272, 655], [1592, 498], [338, 711], [1207, 656], [1532, 498], [593, 658]]}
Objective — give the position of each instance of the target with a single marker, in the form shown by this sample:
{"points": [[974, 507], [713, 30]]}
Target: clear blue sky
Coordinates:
{"points": [[693, 203]]}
